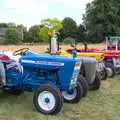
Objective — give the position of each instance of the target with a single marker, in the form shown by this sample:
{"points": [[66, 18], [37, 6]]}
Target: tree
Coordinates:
{"points": [[11, 25], [34, 34], [23, 32], [81, 34], [101, 19], [49, 25], [12, 36], [52, 24], [44, 34], [69, 28], [3, 25]]}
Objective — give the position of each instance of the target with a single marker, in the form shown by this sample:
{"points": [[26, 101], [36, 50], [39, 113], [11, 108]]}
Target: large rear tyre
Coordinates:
{"points": [[48, 100], [74, 95], [84, 84], [110, 69], [96, 84]]}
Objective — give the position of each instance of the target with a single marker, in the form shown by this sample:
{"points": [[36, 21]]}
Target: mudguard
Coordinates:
{"points": [[89, 65]]}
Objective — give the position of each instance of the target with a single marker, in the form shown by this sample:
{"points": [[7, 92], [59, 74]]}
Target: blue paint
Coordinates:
{"points": [[47, 100], [38, 69]]}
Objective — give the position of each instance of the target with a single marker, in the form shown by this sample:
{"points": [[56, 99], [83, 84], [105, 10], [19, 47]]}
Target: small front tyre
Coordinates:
{"points": [[84, 84], [73, 95], [110, 69], [48, 100]]}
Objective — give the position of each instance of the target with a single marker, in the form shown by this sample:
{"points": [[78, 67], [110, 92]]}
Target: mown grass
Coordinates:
{"points": [[103, 104]]}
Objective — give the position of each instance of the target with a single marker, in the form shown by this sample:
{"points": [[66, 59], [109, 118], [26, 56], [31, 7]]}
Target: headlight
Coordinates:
{"points": [[75, 73]]}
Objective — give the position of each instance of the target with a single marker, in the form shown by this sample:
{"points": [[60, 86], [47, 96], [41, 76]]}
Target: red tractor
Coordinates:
{"points": [[111, 54]]}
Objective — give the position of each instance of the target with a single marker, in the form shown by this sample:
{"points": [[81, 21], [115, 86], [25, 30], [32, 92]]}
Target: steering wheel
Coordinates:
{"points": [[20, 51]]}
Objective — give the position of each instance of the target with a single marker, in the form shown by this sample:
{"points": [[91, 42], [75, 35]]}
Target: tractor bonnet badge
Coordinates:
{"points": [[43, 63]]}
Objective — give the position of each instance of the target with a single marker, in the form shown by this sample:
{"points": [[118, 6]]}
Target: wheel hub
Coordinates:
{"points": [[46, 100], [69, 95], [109, 71]]}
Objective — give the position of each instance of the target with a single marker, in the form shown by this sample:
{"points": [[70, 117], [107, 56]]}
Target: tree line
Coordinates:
{"points": [[67, 29], [101, 19]]}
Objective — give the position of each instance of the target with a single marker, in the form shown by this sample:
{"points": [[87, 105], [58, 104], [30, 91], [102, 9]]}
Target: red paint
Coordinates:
{"points": [[107, 53], [4, 57]]}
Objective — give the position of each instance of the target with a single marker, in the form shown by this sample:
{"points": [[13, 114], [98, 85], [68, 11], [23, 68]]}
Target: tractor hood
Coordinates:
{"points": [[67, 67], [88, 63]]}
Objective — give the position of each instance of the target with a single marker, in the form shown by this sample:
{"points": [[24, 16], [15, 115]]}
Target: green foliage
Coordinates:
{"points": [[49, 25], [102, 19], [33, 34], [3, 25], [69, 28], [81, 34], [12, 36], [44, 34], [11, 25], [69, 40], [23, 32], [52, 24]]}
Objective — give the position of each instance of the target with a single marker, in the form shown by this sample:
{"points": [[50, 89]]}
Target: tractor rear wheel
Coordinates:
{"points": [[48, 100], [96, 84], [84, 84], [110, 69], [74, 95]]}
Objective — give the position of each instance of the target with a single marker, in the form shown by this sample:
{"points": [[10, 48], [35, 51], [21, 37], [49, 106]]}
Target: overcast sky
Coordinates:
{"points": [[31, 12]]}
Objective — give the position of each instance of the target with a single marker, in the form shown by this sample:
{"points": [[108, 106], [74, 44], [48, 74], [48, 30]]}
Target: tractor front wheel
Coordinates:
{"points": [[84, 84], [73, 95], [48, 100], [110, 69]]}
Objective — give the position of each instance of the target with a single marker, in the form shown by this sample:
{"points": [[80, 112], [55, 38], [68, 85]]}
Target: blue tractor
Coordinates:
{"points": [[89, 75], [52, 78]]}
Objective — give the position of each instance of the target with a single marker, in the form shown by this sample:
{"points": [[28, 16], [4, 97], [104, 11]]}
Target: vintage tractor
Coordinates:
{"points": [[52, 78], [100, 66], [89, 77], [111, 54]]}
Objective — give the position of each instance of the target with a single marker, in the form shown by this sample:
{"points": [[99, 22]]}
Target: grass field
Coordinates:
{"points": [[103, 104]]}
